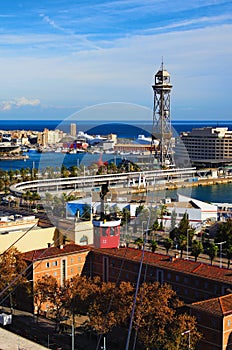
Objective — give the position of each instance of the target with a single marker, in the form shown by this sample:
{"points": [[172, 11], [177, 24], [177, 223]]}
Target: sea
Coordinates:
{"points": [[126, 129]]}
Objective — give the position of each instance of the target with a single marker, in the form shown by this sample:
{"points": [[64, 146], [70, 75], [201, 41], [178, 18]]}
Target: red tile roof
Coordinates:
{"points": [[221, 306], [45, 253], [165, 261]]}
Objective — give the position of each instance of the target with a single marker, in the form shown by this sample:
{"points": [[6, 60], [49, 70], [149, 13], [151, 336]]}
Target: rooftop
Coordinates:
{"points": [[40, 254], [175, 264], [221, 306]]}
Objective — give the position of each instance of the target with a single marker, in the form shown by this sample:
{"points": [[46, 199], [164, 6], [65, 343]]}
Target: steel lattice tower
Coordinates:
{"points": [[162, 130]]}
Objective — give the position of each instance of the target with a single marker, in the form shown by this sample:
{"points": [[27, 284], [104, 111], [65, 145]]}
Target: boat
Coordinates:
{"points": [[8, 147]]}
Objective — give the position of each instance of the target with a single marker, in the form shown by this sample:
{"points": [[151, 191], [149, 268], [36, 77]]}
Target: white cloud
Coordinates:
{"points": [[18, 103]]}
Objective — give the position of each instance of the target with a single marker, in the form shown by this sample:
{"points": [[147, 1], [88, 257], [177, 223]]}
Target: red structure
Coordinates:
{"points": [[106, 233]]}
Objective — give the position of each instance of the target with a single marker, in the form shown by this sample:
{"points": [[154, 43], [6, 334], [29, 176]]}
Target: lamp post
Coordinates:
{"points": [[189, 341], [220, 246], [144, 222], [187, 251]]}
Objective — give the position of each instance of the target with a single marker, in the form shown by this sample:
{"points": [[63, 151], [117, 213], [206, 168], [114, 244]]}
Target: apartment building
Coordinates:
{"points": [[208, 143]]}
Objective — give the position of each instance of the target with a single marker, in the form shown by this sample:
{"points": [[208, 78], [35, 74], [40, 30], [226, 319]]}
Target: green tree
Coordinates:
{"points": [[197, 249], [173, 220], [229, 256], [182, 242], [212, 252], [168, 242], [153, 246], [184, 225], [139, 241]]}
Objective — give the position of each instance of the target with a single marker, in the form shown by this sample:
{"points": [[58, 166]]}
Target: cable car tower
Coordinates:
{"points": [[161, 128]]}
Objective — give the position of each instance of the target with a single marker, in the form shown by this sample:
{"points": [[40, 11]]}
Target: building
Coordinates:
{"points": [[198, 211], [214, 319], [73, 129], [193, 281], [203, 285], [208, 144], [63, 262], [26, 238]]}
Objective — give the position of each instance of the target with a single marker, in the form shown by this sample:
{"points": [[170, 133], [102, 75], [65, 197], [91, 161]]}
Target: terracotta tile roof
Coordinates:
{"points": [[221, 306], [40, 254], [179, 265]]}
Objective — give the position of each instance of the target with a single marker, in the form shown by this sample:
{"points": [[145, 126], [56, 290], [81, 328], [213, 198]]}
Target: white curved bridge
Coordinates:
{"points": [[142, 178]]}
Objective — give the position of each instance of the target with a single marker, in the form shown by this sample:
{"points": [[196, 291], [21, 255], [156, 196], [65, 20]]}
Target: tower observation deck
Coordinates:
{"points": [[161, 127]]}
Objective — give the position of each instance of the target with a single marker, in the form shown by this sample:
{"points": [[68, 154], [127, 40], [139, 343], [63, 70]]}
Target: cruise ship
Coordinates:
{"points": [[8, 147]]}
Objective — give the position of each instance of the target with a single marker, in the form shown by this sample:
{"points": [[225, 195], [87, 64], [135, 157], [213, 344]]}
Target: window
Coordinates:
{"points": [[160, 276], [54, 263], [177, 278], [72, 260], [105, 268], [63, 271], [71, 270], [229, 323], [47, 264], [55, 273], [79, 259]]}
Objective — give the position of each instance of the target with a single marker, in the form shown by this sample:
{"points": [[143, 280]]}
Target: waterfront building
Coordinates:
{"points": [[198, 211], [51, 137], [208, 145]]}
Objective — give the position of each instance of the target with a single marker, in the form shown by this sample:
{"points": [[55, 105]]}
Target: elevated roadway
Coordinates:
{"points": [[139, 179]]}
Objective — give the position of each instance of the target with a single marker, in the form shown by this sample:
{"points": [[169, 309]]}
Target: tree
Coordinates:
{"points": [[43, 290], [173, 220], [182, 242], [157, 322], [12, 272], [184, 225], [168, 242], [139, 241], [153, 246], [229, 255], [111, 307], [224, 233], [197, 249], [212, 252]]}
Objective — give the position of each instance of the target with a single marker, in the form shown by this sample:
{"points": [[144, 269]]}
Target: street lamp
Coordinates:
{"points": [[144, 222], [187, 257], [220, 245], [189, 343]]}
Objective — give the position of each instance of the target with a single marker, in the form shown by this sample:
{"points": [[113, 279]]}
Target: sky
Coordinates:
{"points": [[60, 58]]}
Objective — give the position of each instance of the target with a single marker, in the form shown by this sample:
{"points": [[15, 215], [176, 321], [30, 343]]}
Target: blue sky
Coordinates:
{"points": [[61, 56]]}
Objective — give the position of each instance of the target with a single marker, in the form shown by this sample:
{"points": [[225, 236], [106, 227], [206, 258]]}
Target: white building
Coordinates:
{"points": [[198, 211]]}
